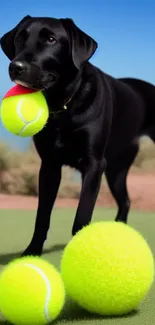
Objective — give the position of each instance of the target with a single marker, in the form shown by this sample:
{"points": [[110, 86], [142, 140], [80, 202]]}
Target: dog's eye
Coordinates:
{"points": [[46, 36], [19, 40], [50, 39]]}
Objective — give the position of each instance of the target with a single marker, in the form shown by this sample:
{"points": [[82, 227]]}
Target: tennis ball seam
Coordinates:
{"points": [[48, 286], [27, 123]]}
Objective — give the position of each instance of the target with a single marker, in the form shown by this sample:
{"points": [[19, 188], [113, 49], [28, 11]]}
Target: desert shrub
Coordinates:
{"points": [[145, 159], [19, 171], [8, 158]]}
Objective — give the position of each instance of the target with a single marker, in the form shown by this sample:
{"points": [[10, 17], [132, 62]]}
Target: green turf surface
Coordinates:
{"points": [[16, 228]]}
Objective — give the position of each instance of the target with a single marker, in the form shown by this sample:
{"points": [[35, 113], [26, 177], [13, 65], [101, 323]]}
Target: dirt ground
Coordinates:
{"points": [[141, 190]]}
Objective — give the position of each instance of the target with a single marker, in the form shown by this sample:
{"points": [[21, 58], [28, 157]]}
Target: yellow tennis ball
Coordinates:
{"points": [[31, 292], [24, 112], [108, 268]]}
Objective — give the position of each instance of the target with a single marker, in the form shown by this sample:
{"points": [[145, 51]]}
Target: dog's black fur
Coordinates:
{"points": [[100, 130]]}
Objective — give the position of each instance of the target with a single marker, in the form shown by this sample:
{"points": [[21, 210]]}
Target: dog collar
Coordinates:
{"points": [[58, 112]]}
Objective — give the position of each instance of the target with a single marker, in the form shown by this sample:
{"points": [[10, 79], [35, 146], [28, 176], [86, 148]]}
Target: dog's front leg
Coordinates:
{"points": [[91, 181], [49, 181]]}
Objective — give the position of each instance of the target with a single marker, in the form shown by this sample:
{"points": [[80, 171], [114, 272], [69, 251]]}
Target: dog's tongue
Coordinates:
{"points": [[18, 90]]}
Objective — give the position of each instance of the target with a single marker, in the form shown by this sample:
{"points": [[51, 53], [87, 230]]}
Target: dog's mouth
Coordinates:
{"points": [[36, 83], [35, 86], [22, 83]]}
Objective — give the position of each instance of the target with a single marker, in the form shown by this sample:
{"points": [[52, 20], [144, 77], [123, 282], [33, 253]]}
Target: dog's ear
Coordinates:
{"points": [[82, 45], [7, 40]]}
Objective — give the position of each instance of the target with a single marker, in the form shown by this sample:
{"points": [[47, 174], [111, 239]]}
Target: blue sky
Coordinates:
{"points": [[124, 30]]}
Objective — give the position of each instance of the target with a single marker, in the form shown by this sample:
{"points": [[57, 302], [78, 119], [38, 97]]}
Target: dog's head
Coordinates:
{"points": [[44, 51]]}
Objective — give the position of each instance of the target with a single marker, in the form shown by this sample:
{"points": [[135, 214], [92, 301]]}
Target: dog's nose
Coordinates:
{"points": [[16, 68]]}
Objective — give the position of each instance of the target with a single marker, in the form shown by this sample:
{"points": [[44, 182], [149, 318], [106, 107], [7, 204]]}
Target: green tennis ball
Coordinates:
{"points": [[24, 112], [31, 292], [107, 268]]}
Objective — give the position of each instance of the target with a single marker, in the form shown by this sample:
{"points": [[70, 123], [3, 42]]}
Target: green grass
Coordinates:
{"points": [[16, 228]]}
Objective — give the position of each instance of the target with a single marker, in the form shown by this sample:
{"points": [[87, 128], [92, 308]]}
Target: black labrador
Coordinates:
{"points": [[95, 120]]}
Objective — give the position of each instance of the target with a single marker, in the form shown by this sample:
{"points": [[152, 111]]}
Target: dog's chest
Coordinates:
{"points": [[63, 143], [70, 146]]}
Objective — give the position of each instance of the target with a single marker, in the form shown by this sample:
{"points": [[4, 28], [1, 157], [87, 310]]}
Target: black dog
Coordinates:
{"points": [[98, 131]]}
